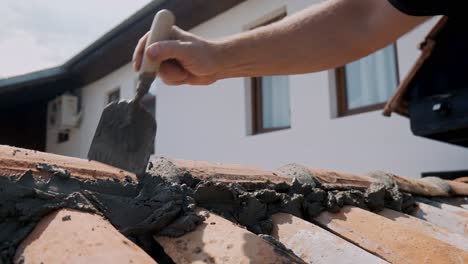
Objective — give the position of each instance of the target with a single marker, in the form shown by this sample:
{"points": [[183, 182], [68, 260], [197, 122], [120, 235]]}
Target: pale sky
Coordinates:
{"points": [[39, 34]]}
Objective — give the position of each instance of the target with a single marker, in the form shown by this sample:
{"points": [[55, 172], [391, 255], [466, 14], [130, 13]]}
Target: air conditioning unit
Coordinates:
{"points": [[62, 113]]}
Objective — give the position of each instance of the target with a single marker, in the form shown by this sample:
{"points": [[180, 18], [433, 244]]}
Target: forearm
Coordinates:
{"points": [[323, 36]]}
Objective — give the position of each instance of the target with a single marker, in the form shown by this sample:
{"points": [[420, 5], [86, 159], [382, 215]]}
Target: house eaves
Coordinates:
{"points": [[106, 54]]}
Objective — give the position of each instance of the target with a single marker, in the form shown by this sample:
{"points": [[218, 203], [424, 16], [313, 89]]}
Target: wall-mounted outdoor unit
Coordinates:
{"points": [[62, 113]]}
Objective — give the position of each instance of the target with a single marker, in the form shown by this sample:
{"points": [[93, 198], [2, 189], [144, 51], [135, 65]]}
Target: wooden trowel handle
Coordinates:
{"points": [[160, 30]]}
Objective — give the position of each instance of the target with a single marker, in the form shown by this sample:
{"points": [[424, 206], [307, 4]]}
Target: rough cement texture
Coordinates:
{"points": [[163, 202], [395, 199], [384, 177], [153, 206], [300, 172], [438, 182], [251, 205]]}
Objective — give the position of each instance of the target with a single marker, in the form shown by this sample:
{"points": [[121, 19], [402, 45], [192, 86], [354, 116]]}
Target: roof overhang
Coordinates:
{"points": [[111, 51]]}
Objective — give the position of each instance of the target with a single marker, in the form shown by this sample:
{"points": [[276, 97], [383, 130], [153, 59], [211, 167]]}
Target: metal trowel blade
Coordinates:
{"points": [[124, 137]]}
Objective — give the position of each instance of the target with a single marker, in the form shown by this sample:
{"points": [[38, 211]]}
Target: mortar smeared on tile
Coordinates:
{"points": [[163, 205], [152, 206]]}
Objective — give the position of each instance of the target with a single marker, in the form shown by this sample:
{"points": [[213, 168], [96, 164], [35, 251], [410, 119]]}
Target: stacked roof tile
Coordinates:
{"points": [[435, 232]]}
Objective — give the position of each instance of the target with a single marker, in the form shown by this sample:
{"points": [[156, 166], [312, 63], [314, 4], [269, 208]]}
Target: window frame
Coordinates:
{"points": [[257, 94], [341, 91], [257, 109]]}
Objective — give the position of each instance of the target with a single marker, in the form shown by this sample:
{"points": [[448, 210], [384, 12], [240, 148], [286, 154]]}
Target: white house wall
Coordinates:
{"points": [[211, 123], [94, 99]]}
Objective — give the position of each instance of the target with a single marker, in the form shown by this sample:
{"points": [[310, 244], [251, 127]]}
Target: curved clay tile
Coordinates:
{"points": [[428, 228], [219, 241], [84, 237], [316, 245], [462, 179], [458, 187], [455, 201], [331, 178], [390, 240], [454, 219], [237, 173], [69, 236], [17, 161], [219, 172]]}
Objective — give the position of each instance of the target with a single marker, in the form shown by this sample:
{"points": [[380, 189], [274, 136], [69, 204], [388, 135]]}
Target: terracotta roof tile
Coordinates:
{"points": [[328, 177], [352, 234], [220, 241], [418, 186], [219, 172], [428, 228], [17, 160], [238, 173], [462, 179], [390, 240], [456, 201], [453, 220], [458, 187], [69, 236], [316, 245]]}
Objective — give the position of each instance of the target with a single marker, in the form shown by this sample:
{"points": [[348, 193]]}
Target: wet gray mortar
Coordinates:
{"points": [[164, 199]]}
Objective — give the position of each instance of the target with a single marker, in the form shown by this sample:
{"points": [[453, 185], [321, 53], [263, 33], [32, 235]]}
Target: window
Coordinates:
{"points": [[63, 136], [113, 96], [270, 103], [366, 84], [270, 100]]}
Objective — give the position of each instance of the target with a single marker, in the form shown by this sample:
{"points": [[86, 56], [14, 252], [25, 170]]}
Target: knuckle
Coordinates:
{"points": [[159, 50]]}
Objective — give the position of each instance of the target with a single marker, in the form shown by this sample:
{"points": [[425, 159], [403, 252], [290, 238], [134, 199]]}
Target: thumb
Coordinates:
{"points": [[165, 50]]}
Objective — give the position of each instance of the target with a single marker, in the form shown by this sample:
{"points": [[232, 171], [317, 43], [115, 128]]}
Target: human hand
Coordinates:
{"points": [[185, 59]]}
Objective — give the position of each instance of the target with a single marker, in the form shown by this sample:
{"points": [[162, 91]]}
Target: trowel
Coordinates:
{"points": [[126, 132]]}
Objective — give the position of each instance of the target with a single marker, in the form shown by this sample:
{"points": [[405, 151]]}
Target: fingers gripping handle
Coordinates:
{"points": [[160, 30]]}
